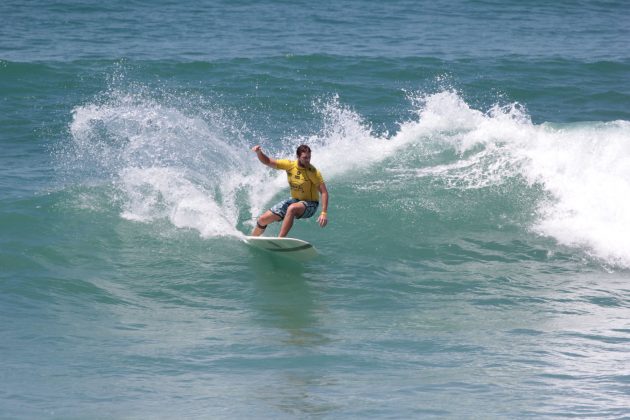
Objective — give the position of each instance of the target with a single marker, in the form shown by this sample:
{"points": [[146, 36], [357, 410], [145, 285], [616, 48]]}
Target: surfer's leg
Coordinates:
{"points": [[263, 221], [294, 210]]}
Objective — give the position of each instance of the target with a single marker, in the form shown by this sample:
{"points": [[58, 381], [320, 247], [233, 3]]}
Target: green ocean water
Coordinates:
{"points": [[476, 260]]}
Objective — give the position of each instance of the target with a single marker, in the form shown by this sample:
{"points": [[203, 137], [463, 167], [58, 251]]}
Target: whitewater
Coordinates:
{"points": [[194, 169], [475, 263]]}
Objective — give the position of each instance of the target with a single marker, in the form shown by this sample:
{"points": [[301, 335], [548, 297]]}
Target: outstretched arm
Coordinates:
{"points": [[323, 216], [263, 158]]}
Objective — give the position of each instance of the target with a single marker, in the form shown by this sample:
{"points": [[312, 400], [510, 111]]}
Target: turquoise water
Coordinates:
{"points": [[476, 263]]}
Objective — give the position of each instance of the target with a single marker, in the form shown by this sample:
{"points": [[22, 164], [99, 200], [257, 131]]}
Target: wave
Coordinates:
{"points": [[190, 163], [582, 168]]}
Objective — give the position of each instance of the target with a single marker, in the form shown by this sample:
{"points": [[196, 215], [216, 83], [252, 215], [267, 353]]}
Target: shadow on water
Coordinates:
{"points": [[285, 299], [289, 308]]}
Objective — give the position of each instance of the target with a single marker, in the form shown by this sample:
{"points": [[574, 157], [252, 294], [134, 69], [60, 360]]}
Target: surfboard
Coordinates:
{"points": [[286, 247]]}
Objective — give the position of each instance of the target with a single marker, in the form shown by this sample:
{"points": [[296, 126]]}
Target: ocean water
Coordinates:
{"points": [[476, 263]]}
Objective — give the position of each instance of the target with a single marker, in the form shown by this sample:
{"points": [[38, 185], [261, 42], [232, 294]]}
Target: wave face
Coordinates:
{"points": [[476, 154], [167, 160]]}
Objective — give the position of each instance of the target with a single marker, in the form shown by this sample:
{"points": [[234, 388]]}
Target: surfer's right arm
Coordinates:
{"points": [[263, 158]]}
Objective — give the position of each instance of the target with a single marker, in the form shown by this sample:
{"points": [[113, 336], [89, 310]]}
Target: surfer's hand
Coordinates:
{"points": [[256, 148], [322, 219]]}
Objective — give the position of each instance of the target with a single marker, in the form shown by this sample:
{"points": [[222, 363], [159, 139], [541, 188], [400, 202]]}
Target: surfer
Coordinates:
{"points": [[306, 184]]}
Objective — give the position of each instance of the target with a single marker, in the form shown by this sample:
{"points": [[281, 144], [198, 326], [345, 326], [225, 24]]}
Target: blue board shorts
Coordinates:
{"points": [[280, 209]]}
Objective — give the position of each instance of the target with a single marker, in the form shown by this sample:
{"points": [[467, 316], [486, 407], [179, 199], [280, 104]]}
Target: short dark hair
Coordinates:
{"points": [[302, 148]]}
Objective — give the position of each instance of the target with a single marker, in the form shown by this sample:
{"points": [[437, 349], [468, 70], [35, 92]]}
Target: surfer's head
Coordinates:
{"points": [[304, 155]]}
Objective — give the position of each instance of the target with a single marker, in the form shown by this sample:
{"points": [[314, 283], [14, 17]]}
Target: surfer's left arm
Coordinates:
{"points": [[323, 216]]}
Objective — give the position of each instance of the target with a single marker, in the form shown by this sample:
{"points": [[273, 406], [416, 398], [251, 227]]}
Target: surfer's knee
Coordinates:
{"points": [[266, 218]]}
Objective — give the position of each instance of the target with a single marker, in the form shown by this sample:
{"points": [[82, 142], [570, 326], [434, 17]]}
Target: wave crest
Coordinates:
{"points": [[195, 168]]}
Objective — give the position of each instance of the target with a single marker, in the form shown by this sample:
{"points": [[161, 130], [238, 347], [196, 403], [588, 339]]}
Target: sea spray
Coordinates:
{"points": [[196, 169], [584, 168], [168, 162]]}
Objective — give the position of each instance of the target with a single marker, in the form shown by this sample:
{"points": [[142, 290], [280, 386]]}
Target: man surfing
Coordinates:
{"points": [[306, 184]]}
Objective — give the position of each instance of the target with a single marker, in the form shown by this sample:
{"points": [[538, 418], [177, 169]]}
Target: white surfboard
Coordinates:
{"points": [[286, 247]]}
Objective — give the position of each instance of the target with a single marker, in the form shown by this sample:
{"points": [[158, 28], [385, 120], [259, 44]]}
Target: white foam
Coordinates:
{"points": [[169, 164], [156, 193], [346, 142], [182, 166], [585, 168]]}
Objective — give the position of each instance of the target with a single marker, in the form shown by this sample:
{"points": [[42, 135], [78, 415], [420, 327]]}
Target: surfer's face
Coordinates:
{"points": [[304, 159]]}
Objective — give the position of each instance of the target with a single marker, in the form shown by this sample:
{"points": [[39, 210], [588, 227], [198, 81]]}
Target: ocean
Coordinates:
{"points": [[476, 263]]}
